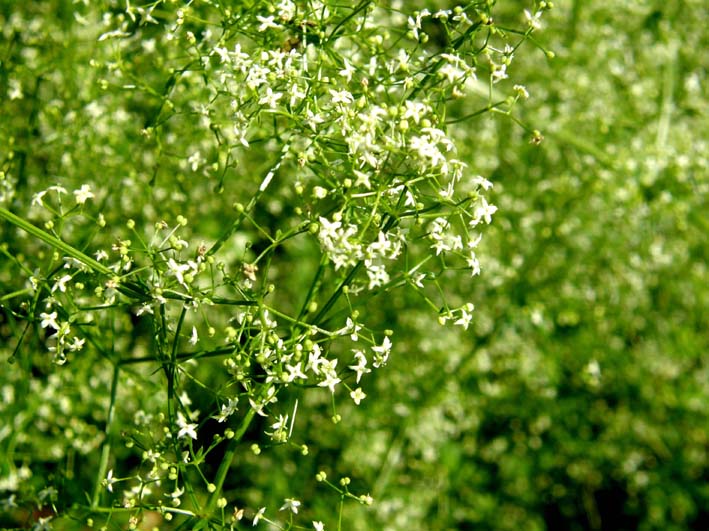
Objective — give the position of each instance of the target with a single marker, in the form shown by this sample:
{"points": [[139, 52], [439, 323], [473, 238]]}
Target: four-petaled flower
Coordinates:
{"points": [[290, 504], [187, 429]]}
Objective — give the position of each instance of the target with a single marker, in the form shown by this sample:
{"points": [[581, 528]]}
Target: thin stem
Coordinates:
{"points": [[106, 450], [55, 242], [132, 289]]}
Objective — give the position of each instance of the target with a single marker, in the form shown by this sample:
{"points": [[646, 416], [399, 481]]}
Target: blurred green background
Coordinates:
{"points": [[579, 398]]}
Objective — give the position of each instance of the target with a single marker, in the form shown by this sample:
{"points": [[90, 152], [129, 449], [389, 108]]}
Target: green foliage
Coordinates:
{"points": [[240, 244]]}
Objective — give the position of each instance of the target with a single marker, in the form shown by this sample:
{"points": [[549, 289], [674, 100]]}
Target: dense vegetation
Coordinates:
{"points": [[321, 265]]}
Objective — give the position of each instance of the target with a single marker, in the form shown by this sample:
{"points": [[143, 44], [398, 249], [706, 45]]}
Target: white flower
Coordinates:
{"points": [[227, 410], [328, 230], [83, 194], [473, 263], [483, 211], [270, 98], [179, 270], [499, 72], [280, 424], [76, 345], [357, 395], [296, 94], [186, 429], [223, 54], [49, 320], [110, 480], [593, 369], [533, 20], [341, 96], [382, 352], [176, 493], [362, 179], [60, 284], [319, 192], [328, 368], [267, 22], [330, 381], [195, 160], [258, 516], [361, 367], [377, 274], [318, 526], [351, 328], [296, 371], [58, 189], [347, 71], [290, 504], [240, 134], [37, 198], [314, 359], [415, 110], [194, 337], [521, 91], [465, 317]]}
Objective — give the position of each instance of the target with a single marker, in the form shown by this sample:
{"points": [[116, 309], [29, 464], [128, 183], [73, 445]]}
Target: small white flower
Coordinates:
{"points": [[521, 91], [280, 424], [499, 72], [296, 371], [60, 284], [223, 54], [358, 395], [319, 192], [258, 516], [290, 504], [318, 526], [534, 21], [187, 429], [341, 96], [83, 194], [593, 369], [58, 189], [483, 211], [270, 98], [362, 179], [110, 480], [179, 270], [49, 320], [382, 352], [347, 71], [227, 410], [76, 345], [361, 367], [330, 381], [267, 22], [194, 337], [465, 318], [176, 493], [37, 198], [473, 263]]}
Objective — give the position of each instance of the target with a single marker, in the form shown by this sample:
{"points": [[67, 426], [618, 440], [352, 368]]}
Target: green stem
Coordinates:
{"points": [[131, 289], [224, 467], [55, 242], [106, 450], [252, 203]]}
